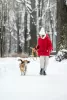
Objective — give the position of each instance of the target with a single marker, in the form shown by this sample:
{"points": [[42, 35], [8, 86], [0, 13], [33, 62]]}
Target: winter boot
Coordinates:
{"points": [[44, 73], [41, 71]]}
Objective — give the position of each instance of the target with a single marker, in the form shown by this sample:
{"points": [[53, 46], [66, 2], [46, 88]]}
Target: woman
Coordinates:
{"points": [[44, 48]]}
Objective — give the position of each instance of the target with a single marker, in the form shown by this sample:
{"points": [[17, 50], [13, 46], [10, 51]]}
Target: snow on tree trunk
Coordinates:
{"points": [[28, 32], [37, 17]]}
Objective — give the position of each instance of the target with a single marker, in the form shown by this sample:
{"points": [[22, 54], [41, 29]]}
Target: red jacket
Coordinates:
{"points": [[44, 46]]}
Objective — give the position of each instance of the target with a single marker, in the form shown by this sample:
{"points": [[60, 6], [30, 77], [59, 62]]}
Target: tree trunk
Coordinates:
{"points": [[61, 20], [37, 17], [25, 33], [1, 29]]}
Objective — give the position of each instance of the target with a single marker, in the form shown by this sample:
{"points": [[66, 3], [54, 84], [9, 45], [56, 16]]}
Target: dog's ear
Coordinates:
{"points": [[28, 61], [21, 60]]}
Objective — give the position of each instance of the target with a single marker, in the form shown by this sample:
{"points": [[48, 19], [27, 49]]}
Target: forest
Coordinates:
{"points": [[21, 21]]}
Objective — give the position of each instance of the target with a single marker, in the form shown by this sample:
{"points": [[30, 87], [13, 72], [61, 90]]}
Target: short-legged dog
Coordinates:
{"points": [[23, 66]]}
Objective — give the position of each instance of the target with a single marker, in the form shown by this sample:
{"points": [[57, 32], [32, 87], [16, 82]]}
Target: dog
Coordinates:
{"points": [[34, 52], [23, 66]]}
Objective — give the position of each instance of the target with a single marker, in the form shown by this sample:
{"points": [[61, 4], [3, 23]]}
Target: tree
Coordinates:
{"points": [[3, 18], [61, 23], [27, 10]]}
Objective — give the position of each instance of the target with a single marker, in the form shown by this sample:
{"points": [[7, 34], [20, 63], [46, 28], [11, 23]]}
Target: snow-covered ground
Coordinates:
{"points": [[13, 86]]}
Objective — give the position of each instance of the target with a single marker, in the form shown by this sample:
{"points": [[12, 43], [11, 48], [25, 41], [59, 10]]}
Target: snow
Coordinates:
{"points": [[64, 50], [13, 86]]}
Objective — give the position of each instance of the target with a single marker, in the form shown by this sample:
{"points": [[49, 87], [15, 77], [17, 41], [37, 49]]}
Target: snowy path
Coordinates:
{"points": [[33, 86]]}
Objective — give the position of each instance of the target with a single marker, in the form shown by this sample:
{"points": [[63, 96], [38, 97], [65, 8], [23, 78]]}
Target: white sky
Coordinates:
{"points": [[13, 86]]}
